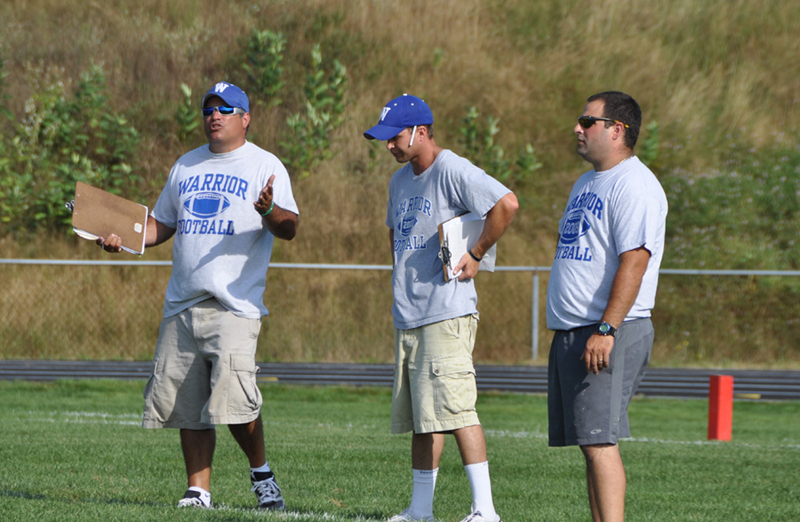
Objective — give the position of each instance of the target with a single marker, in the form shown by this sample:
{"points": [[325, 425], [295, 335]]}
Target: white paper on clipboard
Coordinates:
{"points": [[456, 236]]}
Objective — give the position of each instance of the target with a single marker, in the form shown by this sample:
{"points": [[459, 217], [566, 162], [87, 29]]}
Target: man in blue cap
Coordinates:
{"points": [[224, 203], [436, 319]]}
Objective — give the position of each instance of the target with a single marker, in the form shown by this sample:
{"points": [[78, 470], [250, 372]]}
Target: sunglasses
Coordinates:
{"points": [[588, 121], [225, 110]]}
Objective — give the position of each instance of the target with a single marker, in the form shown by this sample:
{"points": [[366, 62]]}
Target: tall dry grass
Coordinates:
{"points": [[89, 312], [709, 71]]}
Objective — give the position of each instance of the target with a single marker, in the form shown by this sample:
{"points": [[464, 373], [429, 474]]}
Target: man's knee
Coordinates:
{"points": [[595, 452], [471, 444]]}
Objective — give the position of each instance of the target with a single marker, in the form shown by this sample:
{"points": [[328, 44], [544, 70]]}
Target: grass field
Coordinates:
{"points": [[73, 450]]}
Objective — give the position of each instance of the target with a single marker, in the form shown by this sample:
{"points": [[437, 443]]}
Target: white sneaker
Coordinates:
{"points": [[268, 493], [477, 517], [193, 499], [406, 516]]}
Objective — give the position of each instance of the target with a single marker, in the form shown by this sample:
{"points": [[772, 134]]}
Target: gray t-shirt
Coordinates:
{"points": [[221, 247], [450, 187], [608, 213]]}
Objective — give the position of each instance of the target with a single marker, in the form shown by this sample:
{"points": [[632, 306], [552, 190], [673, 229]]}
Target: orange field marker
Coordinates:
{"points": [[720, 407]]}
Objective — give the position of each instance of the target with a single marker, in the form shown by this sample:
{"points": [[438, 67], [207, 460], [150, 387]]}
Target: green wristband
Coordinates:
{"points": [[265, 214]]}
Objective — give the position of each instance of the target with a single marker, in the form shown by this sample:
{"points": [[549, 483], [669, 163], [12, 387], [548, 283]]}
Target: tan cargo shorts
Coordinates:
{"points": [[434, 379], [204, 370]]}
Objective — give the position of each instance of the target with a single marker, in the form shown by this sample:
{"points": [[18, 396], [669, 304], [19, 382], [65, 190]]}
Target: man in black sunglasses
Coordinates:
{"points": [[224, 203], [601, 290]]}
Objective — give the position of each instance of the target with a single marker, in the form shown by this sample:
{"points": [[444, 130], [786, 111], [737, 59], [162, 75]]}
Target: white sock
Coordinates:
{"points": [[262, 469], [422, 493], [478, 475], [205, 496]]}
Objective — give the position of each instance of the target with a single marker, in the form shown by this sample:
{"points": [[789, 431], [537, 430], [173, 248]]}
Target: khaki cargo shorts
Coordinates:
{"points": [[204, 370], [434, 379]]}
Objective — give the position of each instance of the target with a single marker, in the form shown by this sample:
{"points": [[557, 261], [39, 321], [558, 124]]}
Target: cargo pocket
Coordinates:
{"points": [[148, 388], [243, 393], [153, 407], [454, 389]]}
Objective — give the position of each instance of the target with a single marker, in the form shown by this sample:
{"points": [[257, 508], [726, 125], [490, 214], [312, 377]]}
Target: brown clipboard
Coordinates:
{"points": [[98, 213]]}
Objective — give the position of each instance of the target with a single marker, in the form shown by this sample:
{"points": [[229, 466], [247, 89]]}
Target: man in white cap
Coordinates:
{"points": [[436, 320], [225, 203]]}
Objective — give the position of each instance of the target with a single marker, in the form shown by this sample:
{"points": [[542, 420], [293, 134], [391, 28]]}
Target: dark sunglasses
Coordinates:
{"points": [[588, 121], [225, 110]]}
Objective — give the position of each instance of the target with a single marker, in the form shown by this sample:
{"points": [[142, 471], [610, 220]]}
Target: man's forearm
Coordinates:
{"points": [[282, 223], [156, 232], [497, 221], [625, 288]]}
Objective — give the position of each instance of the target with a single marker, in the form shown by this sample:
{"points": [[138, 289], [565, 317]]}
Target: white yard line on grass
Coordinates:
{"points": [[539, 435], [127, 419], [290, 515], [84, 417]]}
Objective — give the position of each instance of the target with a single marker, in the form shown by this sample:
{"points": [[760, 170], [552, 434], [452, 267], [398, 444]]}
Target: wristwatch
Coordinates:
{"points": [[606, 329]]}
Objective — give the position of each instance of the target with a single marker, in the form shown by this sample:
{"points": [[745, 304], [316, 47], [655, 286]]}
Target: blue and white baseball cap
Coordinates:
{"points": [[402, 112], [230, 94]]}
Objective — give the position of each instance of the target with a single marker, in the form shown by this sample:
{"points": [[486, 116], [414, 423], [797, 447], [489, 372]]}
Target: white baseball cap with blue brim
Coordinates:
{"points": [[230, 94], [401, 113]]}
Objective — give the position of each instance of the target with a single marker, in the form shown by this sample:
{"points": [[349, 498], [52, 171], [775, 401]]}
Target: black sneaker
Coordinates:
{"points": [[268, 493]]}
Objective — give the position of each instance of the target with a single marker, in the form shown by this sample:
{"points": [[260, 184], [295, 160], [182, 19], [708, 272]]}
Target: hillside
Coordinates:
{"points": [[716, 80]]}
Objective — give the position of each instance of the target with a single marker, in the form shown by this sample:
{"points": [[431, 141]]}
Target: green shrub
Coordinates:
{"points": [[3, 94], [649, 151], [307, 141], [60, 141], [187, 116], [263, 66], [743, 216], [480, 148]]}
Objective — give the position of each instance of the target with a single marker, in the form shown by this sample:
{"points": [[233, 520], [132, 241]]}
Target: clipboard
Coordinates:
{"points": [[456, 236], [98, 213]]}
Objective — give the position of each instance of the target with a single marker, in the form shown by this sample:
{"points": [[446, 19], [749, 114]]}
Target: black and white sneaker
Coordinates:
{"points": [[406, 516], [194, 498], [476, 516], [268, 493]]}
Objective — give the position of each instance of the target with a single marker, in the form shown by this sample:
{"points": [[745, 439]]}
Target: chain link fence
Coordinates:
{"points": [[99, 310], [63, 310]]}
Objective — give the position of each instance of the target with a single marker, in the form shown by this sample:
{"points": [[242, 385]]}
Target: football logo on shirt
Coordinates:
{"points": [[575, 226], [206, 205], [407, 224]]}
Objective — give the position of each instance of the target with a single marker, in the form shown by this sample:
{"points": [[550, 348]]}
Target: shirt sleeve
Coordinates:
{"points": [[165, 211], [282, 193], [477, 191], [636, 219]]}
